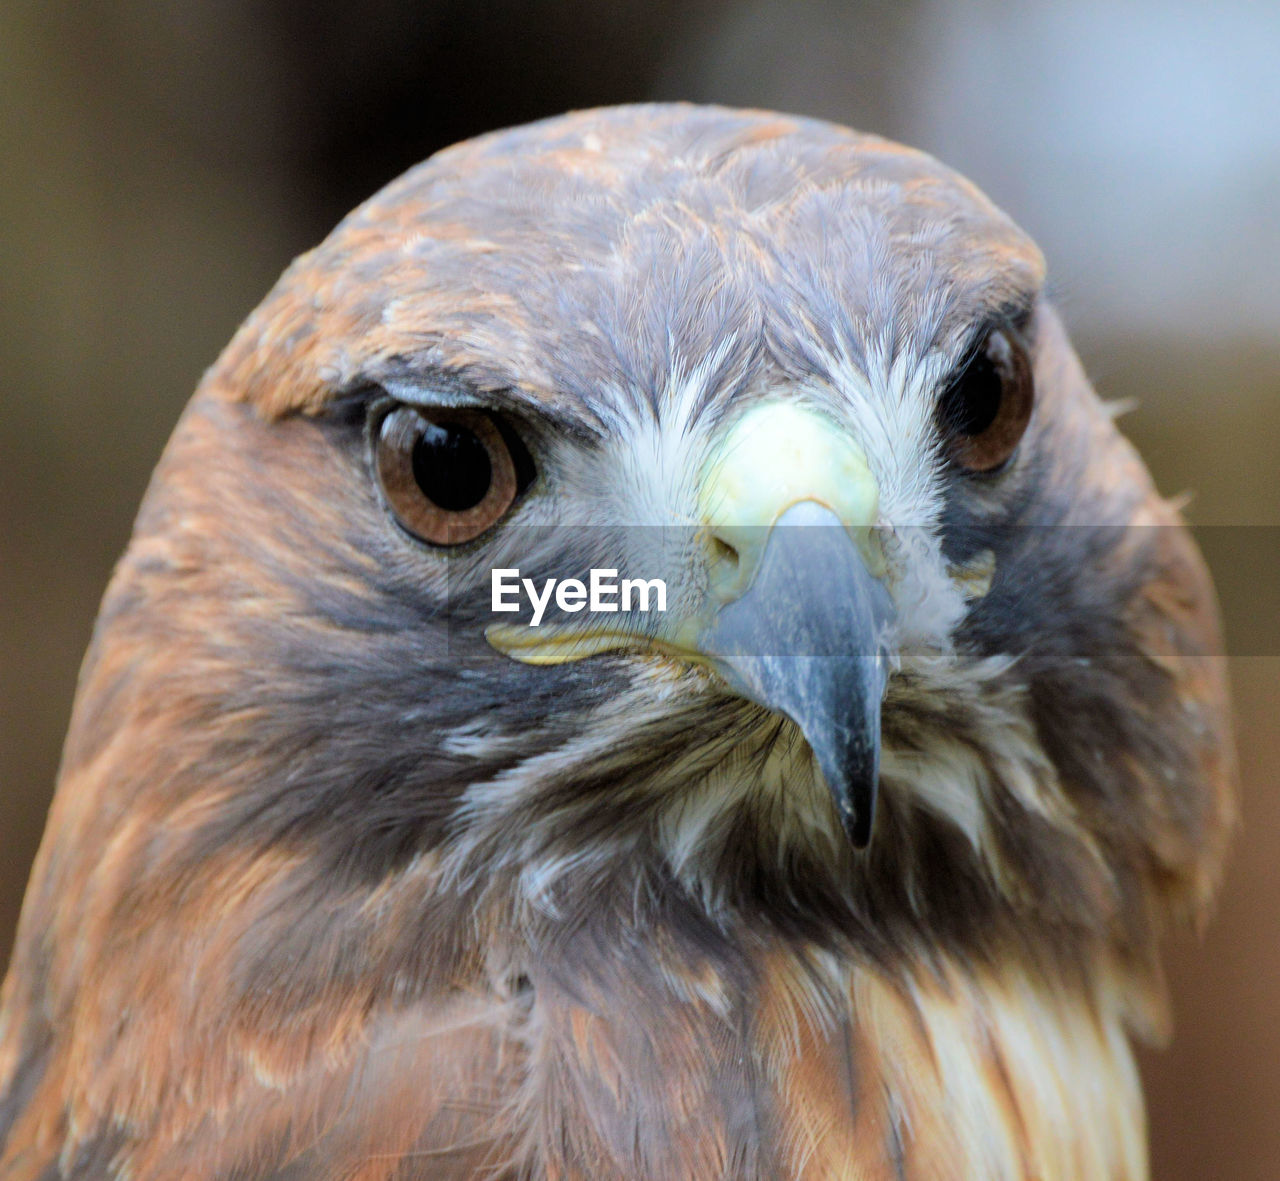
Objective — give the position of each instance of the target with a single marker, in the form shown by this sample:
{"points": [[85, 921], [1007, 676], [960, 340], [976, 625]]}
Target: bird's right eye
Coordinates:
{"points": [[448, 474], [986, 408]]}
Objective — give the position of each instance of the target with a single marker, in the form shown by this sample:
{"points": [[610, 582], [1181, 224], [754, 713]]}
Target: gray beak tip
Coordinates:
{"points": [[857, 826], [854, 791], [846, 744]]}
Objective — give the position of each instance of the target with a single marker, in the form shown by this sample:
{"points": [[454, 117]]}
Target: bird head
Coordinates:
{"points": [[934, 652]]}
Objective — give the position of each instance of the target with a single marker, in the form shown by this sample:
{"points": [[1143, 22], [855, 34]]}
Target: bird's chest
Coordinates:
{"points": [[829, 1074]]}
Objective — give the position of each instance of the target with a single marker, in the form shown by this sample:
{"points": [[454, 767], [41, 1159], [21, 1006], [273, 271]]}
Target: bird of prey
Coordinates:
{"points": [[850, 860]]}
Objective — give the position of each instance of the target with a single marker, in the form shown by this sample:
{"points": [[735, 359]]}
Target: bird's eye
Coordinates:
{"points": [[985, 410], [449, 473]]}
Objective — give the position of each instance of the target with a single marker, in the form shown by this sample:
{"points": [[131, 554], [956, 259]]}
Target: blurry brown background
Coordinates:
{"points": [[160, 164]]}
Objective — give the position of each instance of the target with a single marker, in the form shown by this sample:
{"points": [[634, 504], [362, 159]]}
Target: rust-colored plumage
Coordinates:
{"points": [[332, 887]]}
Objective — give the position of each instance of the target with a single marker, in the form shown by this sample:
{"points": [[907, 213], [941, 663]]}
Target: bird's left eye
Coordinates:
{"points": [[448, 474]]}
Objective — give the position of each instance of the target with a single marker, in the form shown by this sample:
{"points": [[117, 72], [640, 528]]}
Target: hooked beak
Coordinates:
{"points": [[807, 639], [795, 618]]}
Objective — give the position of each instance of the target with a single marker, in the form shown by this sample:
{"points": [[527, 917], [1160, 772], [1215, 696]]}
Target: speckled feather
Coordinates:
{"points": [[331, 889]]}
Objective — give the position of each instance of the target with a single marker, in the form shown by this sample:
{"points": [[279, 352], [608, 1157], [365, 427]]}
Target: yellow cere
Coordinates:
{"points": [[776, 455], [555, 645]]}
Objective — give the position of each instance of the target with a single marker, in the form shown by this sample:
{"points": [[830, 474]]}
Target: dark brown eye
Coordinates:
{"points": [[985, 410], [448, 474]]}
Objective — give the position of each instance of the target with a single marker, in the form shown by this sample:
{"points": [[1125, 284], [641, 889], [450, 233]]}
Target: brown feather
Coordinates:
{"points": [[271, 932]]}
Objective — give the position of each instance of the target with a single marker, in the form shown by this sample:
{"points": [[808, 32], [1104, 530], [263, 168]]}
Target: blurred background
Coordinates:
{"points": [[163, 162]]}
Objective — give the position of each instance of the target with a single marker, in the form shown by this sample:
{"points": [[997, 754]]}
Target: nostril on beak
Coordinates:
{"points": [[723, 554], [724, 566]]}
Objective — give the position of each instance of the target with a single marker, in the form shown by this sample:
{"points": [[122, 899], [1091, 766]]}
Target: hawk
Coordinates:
{"points": [[850, 862]]}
